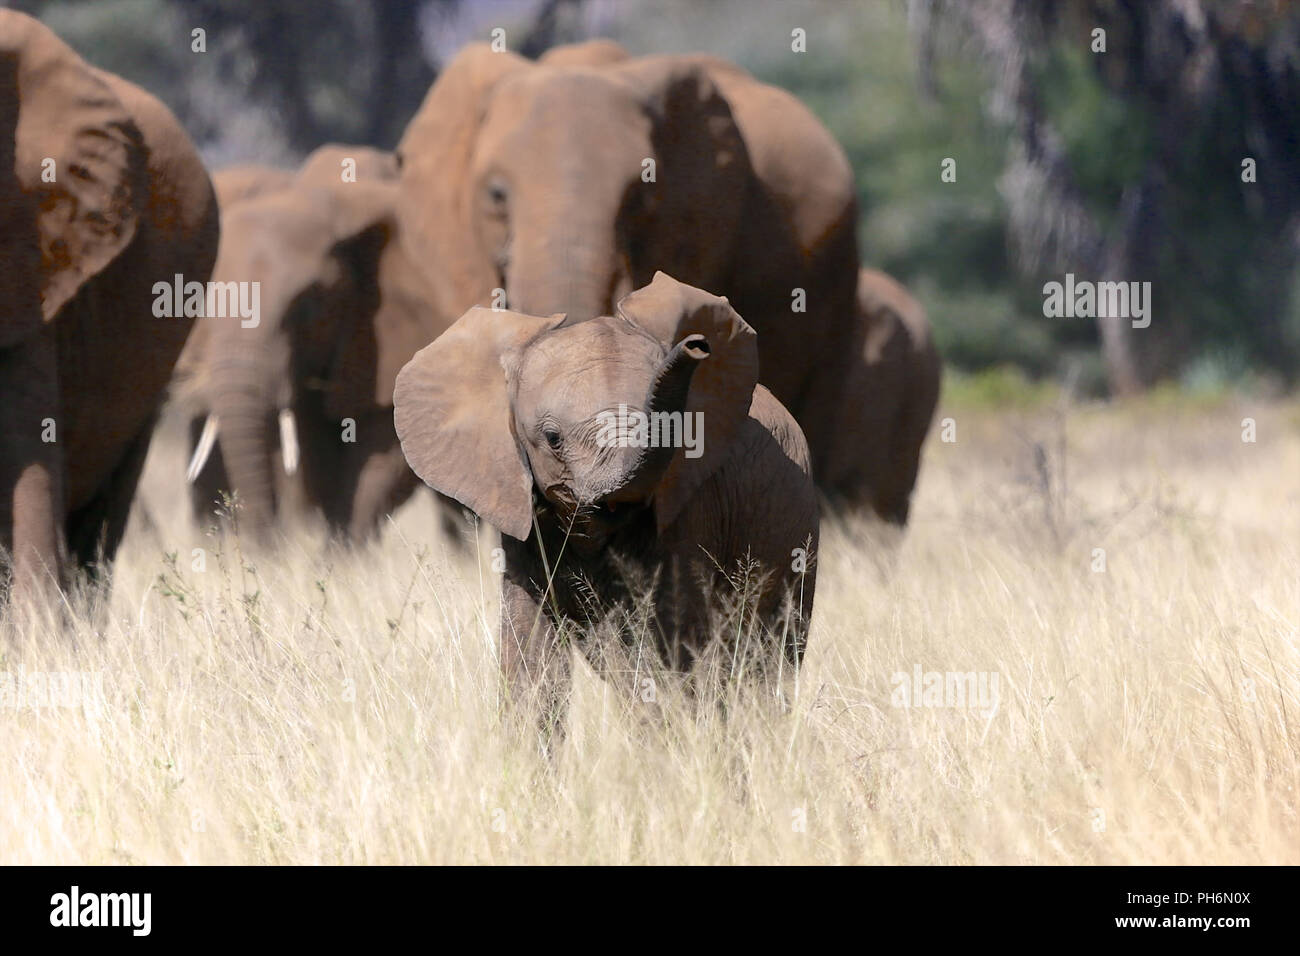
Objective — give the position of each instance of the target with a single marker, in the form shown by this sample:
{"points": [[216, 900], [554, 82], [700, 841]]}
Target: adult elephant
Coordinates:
{"points": [[234, 184], [102, 195], [300, 402], [564, 184]]}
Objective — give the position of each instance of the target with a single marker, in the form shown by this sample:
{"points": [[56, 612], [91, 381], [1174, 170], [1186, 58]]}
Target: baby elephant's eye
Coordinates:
{"points": [[552, 436]]}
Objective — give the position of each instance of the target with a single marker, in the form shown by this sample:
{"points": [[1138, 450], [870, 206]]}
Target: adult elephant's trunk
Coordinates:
{"points": [[573, 269], [247, 433], [667, 397]]}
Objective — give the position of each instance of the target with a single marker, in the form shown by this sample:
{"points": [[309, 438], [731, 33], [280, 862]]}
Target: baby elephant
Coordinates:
{"points": [[622, 451]]}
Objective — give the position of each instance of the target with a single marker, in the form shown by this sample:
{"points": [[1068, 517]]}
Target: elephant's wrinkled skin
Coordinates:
{"points": [[342, 309], [503, 413], [84, 361], [570, 181]]}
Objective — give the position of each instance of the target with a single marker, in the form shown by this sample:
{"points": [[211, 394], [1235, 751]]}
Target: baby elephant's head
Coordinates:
{"points": [[602, 417]]}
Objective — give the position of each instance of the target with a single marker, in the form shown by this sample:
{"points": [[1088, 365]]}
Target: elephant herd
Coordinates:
{"points": [[554, 248]]}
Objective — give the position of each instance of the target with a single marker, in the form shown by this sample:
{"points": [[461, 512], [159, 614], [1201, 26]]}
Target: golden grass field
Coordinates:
{"points": [[335, 706]]}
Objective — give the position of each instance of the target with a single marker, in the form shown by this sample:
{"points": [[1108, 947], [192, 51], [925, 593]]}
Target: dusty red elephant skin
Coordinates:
{"points": [[102, 196]]}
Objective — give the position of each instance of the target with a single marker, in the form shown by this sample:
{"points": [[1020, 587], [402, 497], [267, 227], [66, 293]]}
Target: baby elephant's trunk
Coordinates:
{"points": [[667, 394]]}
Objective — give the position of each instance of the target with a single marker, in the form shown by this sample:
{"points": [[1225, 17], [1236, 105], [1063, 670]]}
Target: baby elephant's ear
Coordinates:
{"points": [[721, 388], [452, 412]]}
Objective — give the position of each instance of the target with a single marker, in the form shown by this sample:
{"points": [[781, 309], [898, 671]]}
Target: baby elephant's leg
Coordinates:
{"points": [[534, 663]]}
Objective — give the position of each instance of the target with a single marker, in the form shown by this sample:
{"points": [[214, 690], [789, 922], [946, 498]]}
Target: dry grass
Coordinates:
{"points": [[342, 707]]}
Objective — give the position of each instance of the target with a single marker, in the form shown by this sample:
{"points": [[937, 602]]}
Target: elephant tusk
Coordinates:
{"points": [[203, 449], [289, 440]]}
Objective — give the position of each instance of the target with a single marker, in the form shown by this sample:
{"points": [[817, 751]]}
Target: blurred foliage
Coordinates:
{"points": [[307, 53], [275, 80], [1087, 117], [281, 77], [1128, 123], [1002, 386]]}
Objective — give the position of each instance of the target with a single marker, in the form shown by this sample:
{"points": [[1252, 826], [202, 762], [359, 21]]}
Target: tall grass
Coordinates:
{"points": [[342, 706]]}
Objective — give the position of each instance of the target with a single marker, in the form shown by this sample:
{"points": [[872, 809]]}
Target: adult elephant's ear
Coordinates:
{"points": [[361, 365], [451, 407], [703, 174], [20, 295], [78, 154], [722, 386], [436, 152], [395, 324]]}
